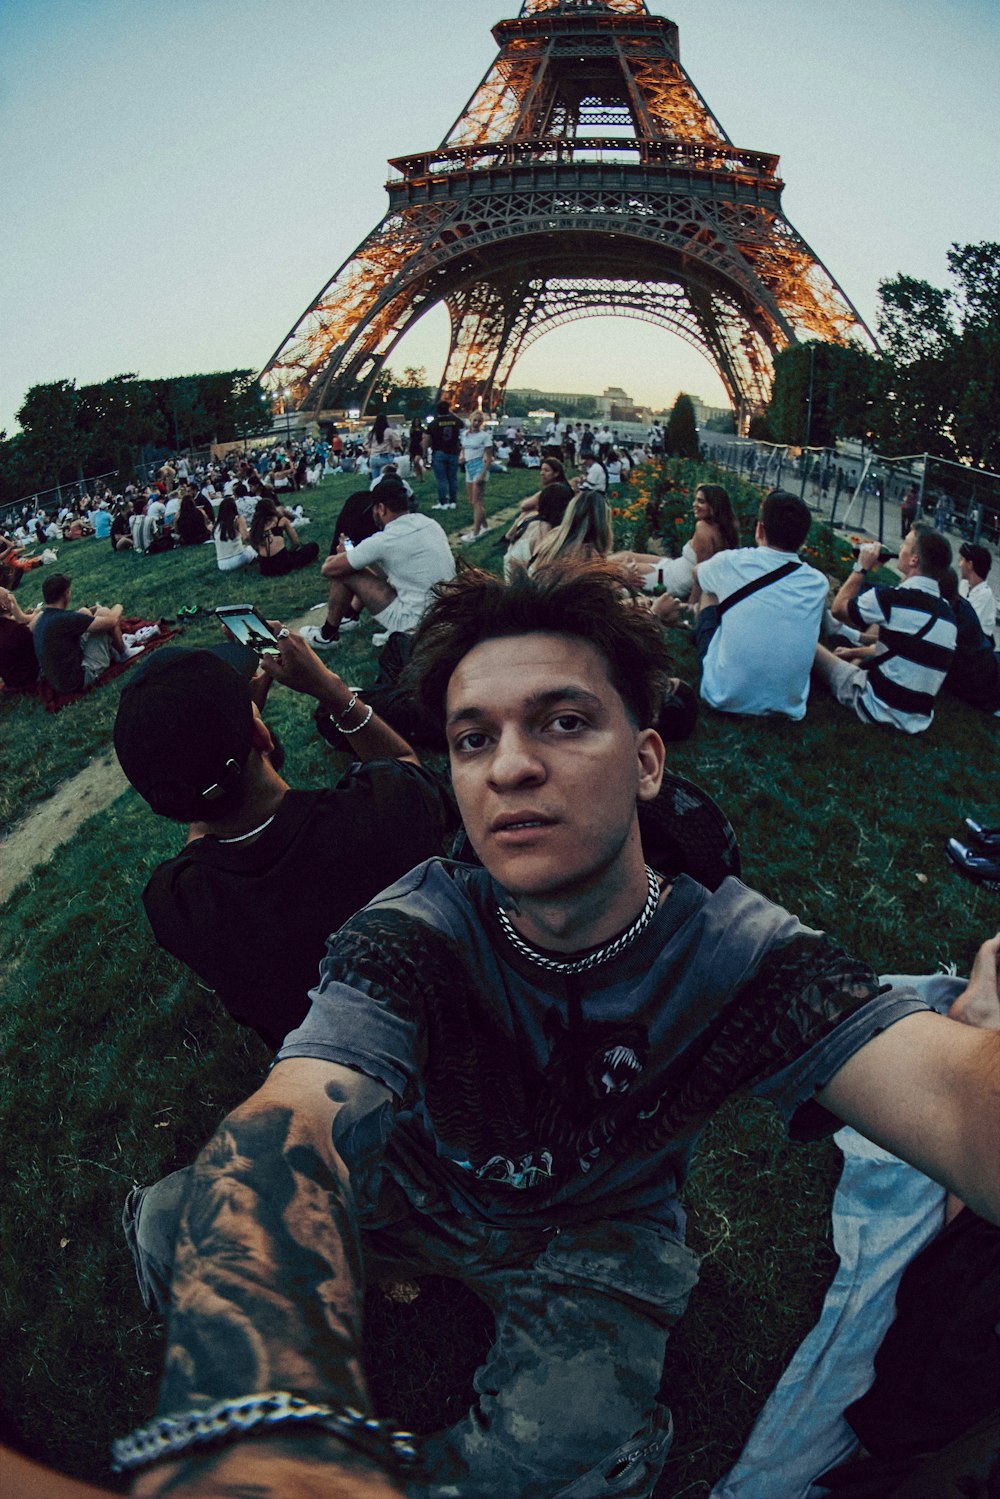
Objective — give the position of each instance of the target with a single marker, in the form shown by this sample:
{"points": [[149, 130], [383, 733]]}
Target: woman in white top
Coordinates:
{"points": [[383, 445], [477, 454], [714, 531], [231, 537]]}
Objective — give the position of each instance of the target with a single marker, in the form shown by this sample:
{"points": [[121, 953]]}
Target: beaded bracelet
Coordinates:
{"points": [[169, 1436], [358, 726]]}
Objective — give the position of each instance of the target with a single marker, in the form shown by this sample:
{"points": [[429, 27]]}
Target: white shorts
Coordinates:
{"points": [[395, 616]]}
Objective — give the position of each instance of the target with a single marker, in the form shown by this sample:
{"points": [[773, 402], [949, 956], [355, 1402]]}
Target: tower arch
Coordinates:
{"points": [[585, 159]]}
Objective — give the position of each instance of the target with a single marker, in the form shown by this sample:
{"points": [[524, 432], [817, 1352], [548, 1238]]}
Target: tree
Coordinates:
{"points": [[823, 391], [943, 349], [118, 416], [52, 442], [18, 474], [682, 430]]}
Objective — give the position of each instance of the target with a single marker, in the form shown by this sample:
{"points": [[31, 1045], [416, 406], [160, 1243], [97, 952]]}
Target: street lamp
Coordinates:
{"points": [[284, 393]]}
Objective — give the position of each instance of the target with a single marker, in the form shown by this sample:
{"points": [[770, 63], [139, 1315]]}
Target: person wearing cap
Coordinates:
{"points": [[974, 563], [282, 867], [75, 647], [502, 1078]]}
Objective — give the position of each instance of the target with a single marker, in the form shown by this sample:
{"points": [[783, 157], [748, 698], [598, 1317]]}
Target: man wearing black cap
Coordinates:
{"points": [[974, 564], [267, 873]]}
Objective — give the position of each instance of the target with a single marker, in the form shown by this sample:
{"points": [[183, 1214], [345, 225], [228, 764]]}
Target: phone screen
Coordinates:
{"points": [[246, 625]]}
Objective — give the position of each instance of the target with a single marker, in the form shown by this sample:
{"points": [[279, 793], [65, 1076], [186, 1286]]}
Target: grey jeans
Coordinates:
{"points": [[567, 1398]]}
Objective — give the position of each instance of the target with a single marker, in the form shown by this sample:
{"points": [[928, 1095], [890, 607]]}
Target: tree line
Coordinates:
{"points": [[933, 388], [70, 432]]}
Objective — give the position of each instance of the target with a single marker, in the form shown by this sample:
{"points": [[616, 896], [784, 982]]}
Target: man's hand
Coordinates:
{"points": [[297, 666], [854, 653], [869, 555], [979, 1005]]}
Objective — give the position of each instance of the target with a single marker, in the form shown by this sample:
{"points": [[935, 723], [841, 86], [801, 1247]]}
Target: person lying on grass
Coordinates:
{"points": [[502, 1078]]}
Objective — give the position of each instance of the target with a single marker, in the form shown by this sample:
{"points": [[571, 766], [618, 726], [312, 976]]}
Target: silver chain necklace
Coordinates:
{"points": [[602, 954], [242, 837]]}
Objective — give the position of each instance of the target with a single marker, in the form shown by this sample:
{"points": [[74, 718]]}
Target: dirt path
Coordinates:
{"points": [[34, 841]]}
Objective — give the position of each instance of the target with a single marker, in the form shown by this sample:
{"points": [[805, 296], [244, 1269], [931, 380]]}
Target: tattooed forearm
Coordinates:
{"points": [[267, 1276]]}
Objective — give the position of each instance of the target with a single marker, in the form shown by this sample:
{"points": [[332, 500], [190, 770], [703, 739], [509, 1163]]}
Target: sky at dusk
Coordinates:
{"points": [[181, 178]]}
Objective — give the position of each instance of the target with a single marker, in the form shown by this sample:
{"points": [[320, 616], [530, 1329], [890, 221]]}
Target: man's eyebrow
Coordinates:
{"points": [[535, 703]]}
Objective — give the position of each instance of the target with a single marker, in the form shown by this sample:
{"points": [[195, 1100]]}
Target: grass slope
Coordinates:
{"points": [[118, 1066]]}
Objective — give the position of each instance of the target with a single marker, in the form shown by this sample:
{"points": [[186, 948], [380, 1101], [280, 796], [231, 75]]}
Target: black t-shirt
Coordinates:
{"points": [[355, 520], [446, 434], [18, 662], [57, 636], [552, 503], [252, 920]]}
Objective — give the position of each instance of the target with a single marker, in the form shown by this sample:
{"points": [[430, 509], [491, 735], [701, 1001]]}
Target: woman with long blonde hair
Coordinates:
{"points": [[584, 532]]}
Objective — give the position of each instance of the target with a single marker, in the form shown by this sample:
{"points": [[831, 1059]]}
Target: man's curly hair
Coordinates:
{"points": [[587, 600]]}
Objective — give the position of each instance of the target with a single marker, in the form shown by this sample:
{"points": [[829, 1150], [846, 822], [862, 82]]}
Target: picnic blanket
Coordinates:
{"points": [[55, 700]]}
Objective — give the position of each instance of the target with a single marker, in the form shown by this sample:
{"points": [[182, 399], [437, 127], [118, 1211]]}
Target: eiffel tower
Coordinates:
{"points": [[585, 177]]}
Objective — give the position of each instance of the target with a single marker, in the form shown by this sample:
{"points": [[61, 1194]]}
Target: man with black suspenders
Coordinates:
{"points": [[758, 662]]}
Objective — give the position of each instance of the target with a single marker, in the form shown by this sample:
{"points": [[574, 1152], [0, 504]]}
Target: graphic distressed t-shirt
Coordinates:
{"points": [[530, 1098]]}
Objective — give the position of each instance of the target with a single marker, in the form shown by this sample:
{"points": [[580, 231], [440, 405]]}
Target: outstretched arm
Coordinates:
{"points": [[267, 1291], [929, 1091]]}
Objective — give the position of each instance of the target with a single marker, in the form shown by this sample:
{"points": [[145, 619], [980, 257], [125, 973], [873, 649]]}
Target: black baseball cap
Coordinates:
{"points": [[183, 733]]}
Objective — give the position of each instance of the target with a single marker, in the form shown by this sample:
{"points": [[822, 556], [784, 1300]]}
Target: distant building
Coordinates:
{"points": [[703, 413]]}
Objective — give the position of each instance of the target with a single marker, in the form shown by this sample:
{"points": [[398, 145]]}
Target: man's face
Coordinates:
{"points": [[546, 764], [909, 560], [965, 568]]}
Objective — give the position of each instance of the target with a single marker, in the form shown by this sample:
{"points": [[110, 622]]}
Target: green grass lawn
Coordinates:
{"points": [[118, 1066]]}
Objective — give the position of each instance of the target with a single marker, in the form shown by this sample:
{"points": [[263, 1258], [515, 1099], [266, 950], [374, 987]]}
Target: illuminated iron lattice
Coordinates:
{"points": [[586, 176]]}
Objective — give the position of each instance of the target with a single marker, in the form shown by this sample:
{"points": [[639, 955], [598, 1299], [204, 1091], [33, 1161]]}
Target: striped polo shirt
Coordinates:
{"points": [[902, 691]]}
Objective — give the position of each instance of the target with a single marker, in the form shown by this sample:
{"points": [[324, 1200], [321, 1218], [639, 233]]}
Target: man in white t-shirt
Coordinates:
{"points": [[592, 475], [758, 661], [391, 573], [974, 562]]}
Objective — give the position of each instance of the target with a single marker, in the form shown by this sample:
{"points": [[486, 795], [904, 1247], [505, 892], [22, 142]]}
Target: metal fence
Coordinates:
{"points": [[859, 490]]}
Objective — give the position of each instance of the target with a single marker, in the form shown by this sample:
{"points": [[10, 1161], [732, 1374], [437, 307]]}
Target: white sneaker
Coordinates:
{"points": [[350, 624], [128, 653], [379, 638], [317, 639]]}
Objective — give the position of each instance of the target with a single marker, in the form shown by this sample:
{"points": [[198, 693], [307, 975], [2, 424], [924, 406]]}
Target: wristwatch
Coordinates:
{"points": [[857, 568]]}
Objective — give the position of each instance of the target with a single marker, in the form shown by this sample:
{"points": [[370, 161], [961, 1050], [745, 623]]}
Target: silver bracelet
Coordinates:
{"points": [[336, 717], [358, 726], [168, 1436]]}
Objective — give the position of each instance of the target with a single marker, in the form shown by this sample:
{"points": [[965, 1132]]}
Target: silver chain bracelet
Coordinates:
{"points": [[168, 1436], [358, 726]]}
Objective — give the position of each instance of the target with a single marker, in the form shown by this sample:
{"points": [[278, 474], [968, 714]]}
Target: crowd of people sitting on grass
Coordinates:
{"points": [[883, 651], [583, 868]]}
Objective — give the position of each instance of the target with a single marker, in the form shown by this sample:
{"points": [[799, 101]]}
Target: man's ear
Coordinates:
{"points": [[260, 735], [652, 758]]}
